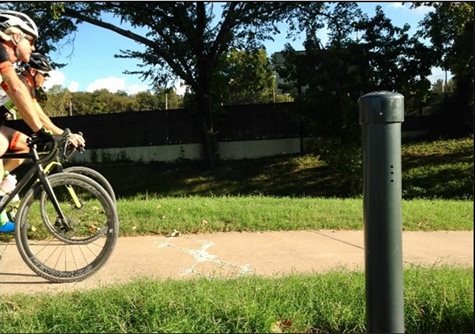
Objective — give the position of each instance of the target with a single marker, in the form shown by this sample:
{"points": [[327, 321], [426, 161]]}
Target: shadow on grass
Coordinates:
{"points": [[431, 176], [427, 172], [279, 176]]}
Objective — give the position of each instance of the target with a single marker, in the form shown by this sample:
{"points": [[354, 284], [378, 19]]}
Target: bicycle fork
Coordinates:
{"points": [[49, 190], [70, 189]]}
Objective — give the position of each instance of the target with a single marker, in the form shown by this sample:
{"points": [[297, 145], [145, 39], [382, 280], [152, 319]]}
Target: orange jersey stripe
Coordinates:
{"points": [[14, 141]]}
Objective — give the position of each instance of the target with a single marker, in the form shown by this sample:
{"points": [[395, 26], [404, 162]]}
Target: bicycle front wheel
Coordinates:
{"points": [[96, 176], [70, 249]]}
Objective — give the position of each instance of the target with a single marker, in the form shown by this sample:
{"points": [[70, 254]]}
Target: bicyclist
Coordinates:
{"points": [[18, 33], [33, 76]]}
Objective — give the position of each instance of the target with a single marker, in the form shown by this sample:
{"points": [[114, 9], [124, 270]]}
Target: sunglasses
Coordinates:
{"points": [[30, 39], [45, 74]]}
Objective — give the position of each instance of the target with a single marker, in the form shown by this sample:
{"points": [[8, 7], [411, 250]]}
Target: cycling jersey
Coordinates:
{"points": [[5, 65], [4, 58], [29, 83]]}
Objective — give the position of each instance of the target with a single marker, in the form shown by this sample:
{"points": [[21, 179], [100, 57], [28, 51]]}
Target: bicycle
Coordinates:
{"points": [[65, 153], [56, 165], [66, 224]]}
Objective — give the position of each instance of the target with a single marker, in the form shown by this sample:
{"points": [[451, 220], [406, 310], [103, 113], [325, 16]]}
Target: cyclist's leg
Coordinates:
{"points": [[6, 226], [4, 142], [16, 143]]}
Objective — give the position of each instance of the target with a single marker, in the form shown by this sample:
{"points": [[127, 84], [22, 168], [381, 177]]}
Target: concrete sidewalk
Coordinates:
{"points": [[231, 254]]}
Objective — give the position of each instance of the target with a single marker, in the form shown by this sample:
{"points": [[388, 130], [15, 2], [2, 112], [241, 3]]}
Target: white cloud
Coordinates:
{"points": [[439, 74], [114, 84], [58, 78], [423, 10], [406, 7], [396, 5], [55, 78], [111, 83], [73, 86], [134, 89]]}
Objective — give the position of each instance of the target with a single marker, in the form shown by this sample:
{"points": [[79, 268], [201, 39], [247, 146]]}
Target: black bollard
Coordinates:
{"points": [[381, 115]]}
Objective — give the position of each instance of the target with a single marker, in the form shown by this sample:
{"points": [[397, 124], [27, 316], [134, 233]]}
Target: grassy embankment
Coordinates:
{"points": [[282, 193], [289, 193]]}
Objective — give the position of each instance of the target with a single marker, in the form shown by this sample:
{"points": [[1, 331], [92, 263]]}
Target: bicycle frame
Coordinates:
{"points": [[36, 169]]}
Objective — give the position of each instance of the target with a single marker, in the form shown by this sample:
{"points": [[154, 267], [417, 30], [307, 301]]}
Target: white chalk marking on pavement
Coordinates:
{"points": [[4, 248], [202, 255]]}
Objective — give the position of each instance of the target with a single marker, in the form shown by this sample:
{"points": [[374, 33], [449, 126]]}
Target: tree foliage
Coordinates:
{"points": [[328, 80], [193, 41], [246, 77], [447, 28], [450, 30], [61, 102], [57, 103], [181, 39]]}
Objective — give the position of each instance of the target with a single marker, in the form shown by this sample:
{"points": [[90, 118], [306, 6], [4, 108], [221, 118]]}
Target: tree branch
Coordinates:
{"points": [[127, 33], [179, 70]]}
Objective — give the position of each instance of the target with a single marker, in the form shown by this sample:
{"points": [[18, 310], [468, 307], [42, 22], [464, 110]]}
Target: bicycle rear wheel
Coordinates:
{"points": [[71, 251], [96, 176]]}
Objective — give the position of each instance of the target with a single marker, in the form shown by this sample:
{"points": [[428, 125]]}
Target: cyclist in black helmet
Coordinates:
{"points": [[33, 75], [41, 65]]}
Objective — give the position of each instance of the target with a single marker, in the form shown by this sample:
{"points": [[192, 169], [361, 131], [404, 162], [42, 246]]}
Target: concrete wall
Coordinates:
{"points": [[248, 149], [230, 150]]}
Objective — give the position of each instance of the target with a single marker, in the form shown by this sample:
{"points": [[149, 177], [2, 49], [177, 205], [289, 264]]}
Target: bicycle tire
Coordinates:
{"points": [[89, 172], [60, 259], [96, 176]]}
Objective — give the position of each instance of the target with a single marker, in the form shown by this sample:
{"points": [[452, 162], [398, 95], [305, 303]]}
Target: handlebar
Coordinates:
{"points": [[58, 146]]}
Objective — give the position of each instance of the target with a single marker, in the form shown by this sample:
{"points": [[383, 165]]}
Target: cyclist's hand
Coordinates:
{"points": [[42, 136], [77, 140]]}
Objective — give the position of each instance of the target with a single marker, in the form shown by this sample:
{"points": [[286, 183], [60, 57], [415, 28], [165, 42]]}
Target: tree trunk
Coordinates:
{"points": [[208, 134], [205, 108]]}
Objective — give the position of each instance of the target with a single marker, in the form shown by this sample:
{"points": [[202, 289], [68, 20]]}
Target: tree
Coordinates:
{"points": [[169, 98], [440, 87], [247, 77], [398, 62], [146, 101], [58, 101], [182, 39], [101, 101], [329, 80], [450, 30]]}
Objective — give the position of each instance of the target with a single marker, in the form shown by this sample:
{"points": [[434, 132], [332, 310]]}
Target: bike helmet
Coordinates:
{"points": [[10, 18], [39, 62]]}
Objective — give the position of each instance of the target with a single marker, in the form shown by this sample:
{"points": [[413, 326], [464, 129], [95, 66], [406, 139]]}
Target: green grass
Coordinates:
{"points": [[440, 169], [258, 213], [437, 300], [145, 216], [430, 169], [279, 193], [289, 193]]}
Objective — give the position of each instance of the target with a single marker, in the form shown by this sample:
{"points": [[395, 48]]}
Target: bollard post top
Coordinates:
{"points": [[381, 107]]}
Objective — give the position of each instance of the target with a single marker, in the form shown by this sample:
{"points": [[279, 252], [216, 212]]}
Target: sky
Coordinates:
{"points": [[91, 64]]}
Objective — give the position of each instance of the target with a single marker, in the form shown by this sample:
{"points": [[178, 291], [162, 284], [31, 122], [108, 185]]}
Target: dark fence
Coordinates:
{"points": [[166, 127]]}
